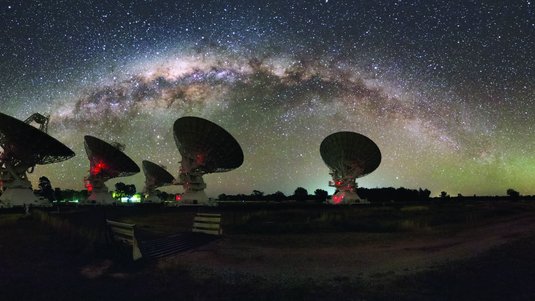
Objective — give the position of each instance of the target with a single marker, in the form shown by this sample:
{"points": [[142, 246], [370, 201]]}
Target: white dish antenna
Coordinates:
{"points": [[205, 148], [349, 156], [107, 161], [155, 176], [23, 147]]}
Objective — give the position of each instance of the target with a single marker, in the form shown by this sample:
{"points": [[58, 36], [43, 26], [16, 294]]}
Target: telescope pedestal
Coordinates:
{"points": [[19, 193], [18, 196], [346, 198], [99, 192]]}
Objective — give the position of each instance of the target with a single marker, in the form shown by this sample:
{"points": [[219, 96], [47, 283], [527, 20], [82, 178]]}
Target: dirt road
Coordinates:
{"points": [[324, 257]]}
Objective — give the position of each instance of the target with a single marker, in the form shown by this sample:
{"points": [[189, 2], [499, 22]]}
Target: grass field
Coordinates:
{"points": [[439, 251]]}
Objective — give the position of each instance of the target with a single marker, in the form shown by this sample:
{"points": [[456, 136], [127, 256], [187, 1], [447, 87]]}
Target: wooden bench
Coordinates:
{"points": [[124, 233], [208, 223]]}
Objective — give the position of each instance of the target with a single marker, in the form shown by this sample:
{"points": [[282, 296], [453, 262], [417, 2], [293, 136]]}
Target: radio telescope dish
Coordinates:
{"points": [[155, 176], [23, 147], [106, 162], [349, 156], [205, 147]]}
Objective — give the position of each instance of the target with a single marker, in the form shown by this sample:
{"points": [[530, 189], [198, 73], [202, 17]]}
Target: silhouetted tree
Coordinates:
{"points": [[124, 190], [321, 195], [513, 194], [444, 195], [390, 194], [257, 195], [300, 194], [130, 190], [278, 196], [423, 195], [45, 188], [403, 194], [120, 187]]}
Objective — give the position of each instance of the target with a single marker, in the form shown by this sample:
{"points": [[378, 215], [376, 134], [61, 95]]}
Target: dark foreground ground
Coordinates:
{"points": [[38, 264]]}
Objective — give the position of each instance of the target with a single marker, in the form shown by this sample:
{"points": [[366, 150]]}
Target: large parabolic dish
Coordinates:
{"points": [[29, 145], [205, 147], [211, 146], [23, 147], [350, 156], [155, 176], [159, 175], [106, 162]]}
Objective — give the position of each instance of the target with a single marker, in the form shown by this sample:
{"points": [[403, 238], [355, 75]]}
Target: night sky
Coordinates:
{"points": [[445, 88]]}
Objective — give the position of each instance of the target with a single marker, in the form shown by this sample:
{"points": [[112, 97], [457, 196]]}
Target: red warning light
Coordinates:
{"points": [[98, 167], [338, 198], [178, 197], [199, 159], [88, 185]]}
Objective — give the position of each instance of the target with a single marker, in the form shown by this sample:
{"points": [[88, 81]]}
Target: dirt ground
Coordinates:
{"points": [[492, 260], [327, 256]]}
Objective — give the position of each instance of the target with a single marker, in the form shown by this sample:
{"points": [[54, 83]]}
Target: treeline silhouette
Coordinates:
{"points": [[388, 194], [373, 195], [376, 195]]}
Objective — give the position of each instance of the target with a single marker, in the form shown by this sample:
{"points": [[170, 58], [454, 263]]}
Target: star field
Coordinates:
{"points": [[446, 90]]}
